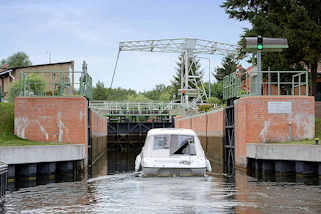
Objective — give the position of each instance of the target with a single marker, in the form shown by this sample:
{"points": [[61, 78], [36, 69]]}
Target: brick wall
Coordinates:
{"points": [[212, 140], [52, 119], [254, 123], [98, 127], [98, 124], [215, 126], [318, 109]]}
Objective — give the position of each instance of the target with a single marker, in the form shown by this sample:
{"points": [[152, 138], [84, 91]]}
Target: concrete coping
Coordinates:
{"points": [[199, 115], [294, 152], [38, 154]]}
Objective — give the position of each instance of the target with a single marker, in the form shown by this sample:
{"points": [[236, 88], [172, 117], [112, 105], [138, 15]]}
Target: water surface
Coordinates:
{"points": [[125, 193]]}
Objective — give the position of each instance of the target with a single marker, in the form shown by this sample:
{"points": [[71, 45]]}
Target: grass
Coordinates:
{"points": [[12, 140], [304, 142], [7, 138], [6, 118]]}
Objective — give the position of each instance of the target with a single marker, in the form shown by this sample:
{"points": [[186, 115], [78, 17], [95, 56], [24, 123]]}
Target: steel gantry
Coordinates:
{"points": [[189, 48], [117, 109]]}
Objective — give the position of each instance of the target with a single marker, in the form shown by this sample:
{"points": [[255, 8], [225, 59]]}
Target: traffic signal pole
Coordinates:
{"points": [[259, 65], [259, 74]]}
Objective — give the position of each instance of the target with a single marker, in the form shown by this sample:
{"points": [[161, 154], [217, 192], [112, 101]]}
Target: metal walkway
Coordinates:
{"points": [[120, 109]]}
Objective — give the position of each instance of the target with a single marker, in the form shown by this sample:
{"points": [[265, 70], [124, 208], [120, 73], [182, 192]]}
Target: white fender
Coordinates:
{"points": [[208, 166], [138, 162]]}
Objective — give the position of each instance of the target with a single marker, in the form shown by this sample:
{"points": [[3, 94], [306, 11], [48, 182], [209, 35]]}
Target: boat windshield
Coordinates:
{"points": [[161, 142], [182, 144], [177, 144]]}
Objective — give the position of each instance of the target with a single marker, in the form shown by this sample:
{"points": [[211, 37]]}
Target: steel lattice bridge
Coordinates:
{"points": [[192, 90], [124, 109]]}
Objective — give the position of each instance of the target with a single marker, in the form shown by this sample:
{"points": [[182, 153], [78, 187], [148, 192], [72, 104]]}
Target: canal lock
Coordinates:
{"points": [[117, 152]]}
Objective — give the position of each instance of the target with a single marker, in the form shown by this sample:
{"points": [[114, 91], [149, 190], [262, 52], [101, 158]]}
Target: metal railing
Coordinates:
{"points": [[3, 180], [138, 109], [55, 83], [266, 83]]}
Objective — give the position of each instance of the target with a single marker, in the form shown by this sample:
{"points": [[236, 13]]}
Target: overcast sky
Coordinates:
{"points": [[91, 30]]}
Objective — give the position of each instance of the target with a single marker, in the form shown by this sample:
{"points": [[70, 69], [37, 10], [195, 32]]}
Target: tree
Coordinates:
{"points": [[217, 90], [229, 65], [161, 92], [19, 59], [195, 71], [34, 84], [100, 92], [138, 98], [298, 21]]}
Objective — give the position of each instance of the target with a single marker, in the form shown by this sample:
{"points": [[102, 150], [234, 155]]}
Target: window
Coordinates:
{"points": [[161, 142], [182, 144]]}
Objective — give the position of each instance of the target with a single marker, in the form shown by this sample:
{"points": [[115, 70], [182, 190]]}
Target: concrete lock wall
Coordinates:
{"points": [[210, 128], [271, 119], [52, 119]]}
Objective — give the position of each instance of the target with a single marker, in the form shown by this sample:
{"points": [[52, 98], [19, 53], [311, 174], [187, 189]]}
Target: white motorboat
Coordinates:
{"points": [[171, 151]]}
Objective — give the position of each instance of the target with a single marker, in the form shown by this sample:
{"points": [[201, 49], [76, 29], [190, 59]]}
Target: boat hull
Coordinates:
{"points": [[160, 171]]}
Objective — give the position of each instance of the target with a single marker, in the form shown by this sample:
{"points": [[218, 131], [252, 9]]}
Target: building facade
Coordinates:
{"points": [[10, 75]]}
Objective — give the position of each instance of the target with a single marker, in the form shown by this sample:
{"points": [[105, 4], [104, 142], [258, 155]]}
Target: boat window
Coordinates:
{"points": [[161, 142], [182, 144]]}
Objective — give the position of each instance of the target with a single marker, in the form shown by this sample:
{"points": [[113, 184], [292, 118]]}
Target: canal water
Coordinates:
{"points": [[125, 193]]}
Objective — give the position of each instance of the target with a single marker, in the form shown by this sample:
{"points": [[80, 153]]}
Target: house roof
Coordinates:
{"points": [[30, 66], [8, 70]]}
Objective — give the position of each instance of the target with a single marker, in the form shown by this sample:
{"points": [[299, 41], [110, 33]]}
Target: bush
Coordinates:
{"points": [[214, 100], [35, 85], [6, 119], [204, 108], [14, 90]]}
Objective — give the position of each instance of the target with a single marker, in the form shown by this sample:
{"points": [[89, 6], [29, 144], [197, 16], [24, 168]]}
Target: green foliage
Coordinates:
{"points": [[19, 59], [6, 119], [229, 65], [100, 92], [138, 98], [14, 90], [35, 84], [298, 21], [216, 89], [204, 108], [112, 94], [214, 100], [161, 92]]}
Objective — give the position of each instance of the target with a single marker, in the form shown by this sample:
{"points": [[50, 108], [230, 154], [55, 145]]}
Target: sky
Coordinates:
{"points": [[91, 31]]}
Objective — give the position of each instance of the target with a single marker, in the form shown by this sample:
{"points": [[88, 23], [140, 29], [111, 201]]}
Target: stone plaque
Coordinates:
{"points": [[279, 107]]}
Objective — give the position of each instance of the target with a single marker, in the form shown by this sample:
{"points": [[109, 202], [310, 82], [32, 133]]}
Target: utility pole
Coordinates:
{"points": [[209, 77], [49, 56]]}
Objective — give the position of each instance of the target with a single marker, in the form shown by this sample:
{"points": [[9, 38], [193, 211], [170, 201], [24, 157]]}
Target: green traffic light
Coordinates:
{"points": [[259, 46]]}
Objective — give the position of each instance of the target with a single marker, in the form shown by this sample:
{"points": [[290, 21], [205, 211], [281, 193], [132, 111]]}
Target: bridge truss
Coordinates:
{"points": [[122, 109], [189, 48]]}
